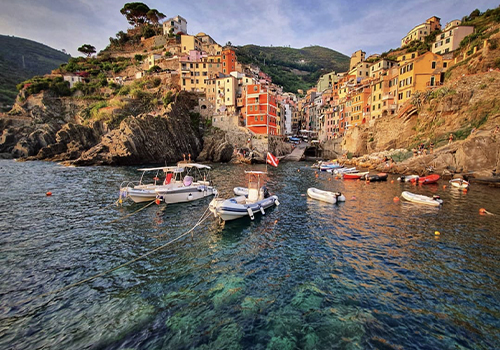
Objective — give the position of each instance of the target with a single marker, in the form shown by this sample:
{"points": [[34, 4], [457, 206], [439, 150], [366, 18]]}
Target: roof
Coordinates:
{"points": [[164, 168], [194, 165]]}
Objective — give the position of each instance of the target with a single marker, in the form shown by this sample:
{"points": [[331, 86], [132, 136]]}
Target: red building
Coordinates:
{"points": [[228, 61], [260, 107]]}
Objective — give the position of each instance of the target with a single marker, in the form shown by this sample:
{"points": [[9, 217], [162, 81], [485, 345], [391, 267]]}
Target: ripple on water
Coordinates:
{"points": [[367, 273]]}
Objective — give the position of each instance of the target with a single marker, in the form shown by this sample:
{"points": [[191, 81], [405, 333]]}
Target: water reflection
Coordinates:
{"points": [[367, 273]]}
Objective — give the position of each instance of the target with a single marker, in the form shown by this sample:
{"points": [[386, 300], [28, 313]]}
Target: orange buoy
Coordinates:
{"points": [[395, 199], [329, 179], [317, 175], [444, 186], [465, 190], [392, 181], [437, 233], [157, 201], [48, 194], [482, 211]]}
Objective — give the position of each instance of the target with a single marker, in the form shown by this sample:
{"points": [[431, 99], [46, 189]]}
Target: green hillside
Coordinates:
{"points": [[39, 59], [293, 68]]}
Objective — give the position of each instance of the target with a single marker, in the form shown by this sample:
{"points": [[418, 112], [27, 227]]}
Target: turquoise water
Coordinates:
{"points": [[367, 273]]}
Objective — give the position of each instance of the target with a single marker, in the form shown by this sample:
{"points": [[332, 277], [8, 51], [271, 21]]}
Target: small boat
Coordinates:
{"points": [[427, 180], [256, 200], [407, 178], [345, 170], [195, 184], [240, 191], [459, 183], [143, 191], [354, 176], [420, 199], [376, 177], [329, 166], [325, 196]]}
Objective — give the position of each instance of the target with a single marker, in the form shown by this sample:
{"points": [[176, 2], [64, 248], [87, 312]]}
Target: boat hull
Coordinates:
{"points": [[420, 199], [459, 183], [185, 194], [354, 176], [325, 196], [236, 207]]}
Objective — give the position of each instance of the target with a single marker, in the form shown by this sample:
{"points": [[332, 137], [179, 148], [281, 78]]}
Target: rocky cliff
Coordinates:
{"points": [[467, 107], [52, 130]]}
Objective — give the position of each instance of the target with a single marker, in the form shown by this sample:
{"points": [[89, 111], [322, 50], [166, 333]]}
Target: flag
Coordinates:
{"points": [[272, 160]]}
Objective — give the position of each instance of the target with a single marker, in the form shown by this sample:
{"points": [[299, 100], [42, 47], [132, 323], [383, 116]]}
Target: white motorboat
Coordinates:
{"points": [[325, 196], [144, 191], [418, 198], [459, 183], [195, 185], [408, 178], [345, 171], [257, 200]]}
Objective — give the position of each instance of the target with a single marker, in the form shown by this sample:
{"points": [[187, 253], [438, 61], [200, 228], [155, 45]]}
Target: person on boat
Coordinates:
{"points": [[450, 139]]}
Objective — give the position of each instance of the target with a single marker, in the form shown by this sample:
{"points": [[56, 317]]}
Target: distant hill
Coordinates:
{"points": [[293, 68], [22, 59]]}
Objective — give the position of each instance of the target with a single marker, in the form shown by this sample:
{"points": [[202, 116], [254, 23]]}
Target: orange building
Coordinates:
{"points": [[261, 108], [228, 61]]}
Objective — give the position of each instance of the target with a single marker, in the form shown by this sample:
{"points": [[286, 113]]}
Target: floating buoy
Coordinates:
{"points": [[317, 175], [353, 198], [465, 190], [336, 177], [437, 233], [157, 201], [298, 170], [48, 194], [482, 211], [392, 181], [444, 186], [329, 179], [395, 199]]}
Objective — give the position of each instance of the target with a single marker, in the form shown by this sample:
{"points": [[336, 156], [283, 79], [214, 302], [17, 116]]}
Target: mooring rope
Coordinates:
{"points": [[129, 215], [203, 217]]}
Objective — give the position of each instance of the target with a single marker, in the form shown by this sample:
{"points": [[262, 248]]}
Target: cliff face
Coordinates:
{"points": [[468, 108], [51, 130]]}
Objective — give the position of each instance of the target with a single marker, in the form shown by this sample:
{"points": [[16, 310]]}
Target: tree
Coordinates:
{"points": [[138, 14], [87, 49]]}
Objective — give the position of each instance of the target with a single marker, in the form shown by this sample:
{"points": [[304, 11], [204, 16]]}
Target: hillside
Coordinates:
{"points": [[39, 59], [293, 68]]}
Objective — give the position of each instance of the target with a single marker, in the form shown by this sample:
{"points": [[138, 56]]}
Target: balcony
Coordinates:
{"points": [[387, 97]]}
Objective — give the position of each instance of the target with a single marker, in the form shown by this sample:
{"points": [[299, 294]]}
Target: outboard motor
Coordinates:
{"points": [[264, 192]]}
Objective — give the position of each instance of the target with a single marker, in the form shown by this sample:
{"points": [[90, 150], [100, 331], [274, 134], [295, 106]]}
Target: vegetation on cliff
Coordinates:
{"points": [[293, 68], [22, 59]]}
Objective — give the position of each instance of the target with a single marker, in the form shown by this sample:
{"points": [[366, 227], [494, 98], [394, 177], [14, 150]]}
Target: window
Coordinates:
{"points": [[433, 65], [445, 64], [447, 40], [192, 81], [256, 118], [261, 118], [255, 88]]}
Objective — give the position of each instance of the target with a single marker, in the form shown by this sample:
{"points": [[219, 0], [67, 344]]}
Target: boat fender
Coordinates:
{"points": [[276, 201], [262, 210], [250, 213], [190, 197]]}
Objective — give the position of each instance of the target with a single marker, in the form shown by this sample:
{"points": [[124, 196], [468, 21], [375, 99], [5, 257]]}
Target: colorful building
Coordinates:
{"points": [[420, 31], [228, 61], [450, 39], [175, 25], [261, 108]]}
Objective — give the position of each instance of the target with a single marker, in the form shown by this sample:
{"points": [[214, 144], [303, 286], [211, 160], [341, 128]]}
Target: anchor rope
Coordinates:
{"points": [[203, 217]]}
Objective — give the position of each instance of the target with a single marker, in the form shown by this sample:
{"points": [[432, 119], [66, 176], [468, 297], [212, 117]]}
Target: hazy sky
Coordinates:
{"points": [[374, 26]]}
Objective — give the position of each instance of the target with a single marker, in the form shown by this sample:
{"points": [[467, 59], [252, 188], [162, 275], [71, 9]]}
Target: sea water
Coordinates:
{"points": [[373, 272]]}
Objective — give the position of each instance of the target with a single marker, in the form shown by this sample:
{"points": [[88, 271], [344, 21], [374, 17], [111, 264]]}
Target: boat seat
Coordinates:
{"points": [[253, 194], [188, 180], [239, 200]]}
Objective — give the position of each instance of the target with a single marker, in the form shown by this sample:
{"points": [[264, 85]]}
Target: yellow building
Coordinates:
{"points": [[357, 57], [326, 81], [194, 76], [420, 31], [190, 42], [418, 74]]}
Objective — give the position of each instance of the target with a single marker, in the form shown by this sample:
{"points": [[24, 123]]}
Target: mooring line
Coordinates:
{"points": [[198, 223], [129, 215]]}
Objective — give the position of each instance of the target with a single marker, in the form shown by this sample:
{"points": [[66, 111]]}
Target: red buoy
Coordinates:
{"points": [[48, 194]]}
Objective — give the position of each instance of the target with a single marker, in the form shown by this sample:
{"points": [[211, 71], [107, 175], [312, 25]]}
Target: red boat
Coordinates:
{"points": [[354, 176], [426, 180]]}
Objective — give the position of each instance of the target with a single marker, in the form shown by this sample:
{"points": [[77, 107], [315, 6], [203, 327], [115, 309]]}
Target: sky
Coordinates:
{"points": [[374, 26]]}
